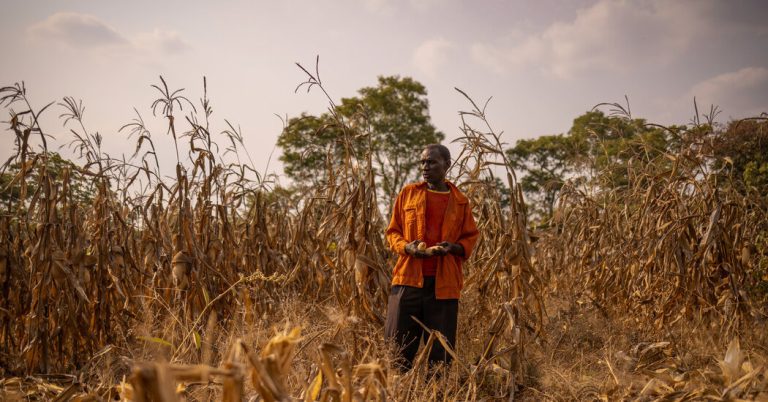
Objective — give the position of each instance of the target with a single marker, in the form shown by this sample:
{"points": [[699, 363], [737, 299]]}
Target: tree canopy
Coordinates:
{"points": [[745, 145], [80, 188], [546, 161], [597, 148], [390, 121], [602, 150]]}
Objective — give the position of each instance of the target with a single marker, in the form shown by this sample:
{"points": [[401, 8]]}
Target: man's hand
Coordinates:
{"points": [[438, 250], [412, 248], [452, 248]]}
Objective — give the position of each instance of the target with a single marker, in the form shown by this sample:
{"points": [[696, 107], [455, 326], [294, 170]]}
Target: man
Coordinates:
{"points": [[427, 281]]}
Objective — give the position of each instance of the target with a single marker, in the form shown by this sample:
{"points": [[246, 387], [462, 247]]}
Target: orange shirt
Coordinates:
{"points": [[408, 224], [437, 202]]}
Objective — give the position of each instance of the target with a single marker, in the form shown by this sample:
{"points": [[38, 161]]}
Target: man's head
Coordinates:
{"points": [[435, 161]]}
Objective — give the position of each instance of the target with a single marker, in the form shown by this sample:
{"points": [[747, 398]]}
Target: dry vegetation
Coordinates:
{"points": [[214, 285]]}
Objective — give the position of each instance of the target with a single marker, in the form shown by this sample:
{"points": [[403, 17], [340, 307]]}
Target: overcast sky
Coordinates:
{"points": [[544, 62]]}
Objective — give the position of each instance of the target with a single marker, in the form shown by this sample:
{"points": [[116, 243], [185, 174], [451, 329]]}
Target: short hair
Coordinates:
{"points": [[442, 150]]}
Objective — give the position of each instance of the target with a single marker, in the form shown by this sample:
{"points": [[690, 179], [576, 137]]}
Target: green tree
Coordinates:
{"points": [[390, 120], [545, 161], [80, 188], [745, 145], [599, 149], [604, 146], [308, 143]]}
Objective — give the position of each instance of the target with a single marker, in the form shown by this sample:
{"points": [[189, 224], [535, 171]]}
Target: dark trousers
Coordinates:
{"points": [[439, 315]]}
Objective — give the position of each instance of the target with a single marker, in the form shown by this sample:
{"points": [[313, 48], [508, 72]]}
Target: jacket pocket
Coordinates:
{"points": [[410, 214], [410, 223]]}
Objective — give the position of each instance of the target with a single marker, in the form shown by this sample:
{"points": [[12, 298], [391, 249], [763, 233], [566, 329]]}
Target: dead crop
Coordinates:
{"points": [[212, 283]]}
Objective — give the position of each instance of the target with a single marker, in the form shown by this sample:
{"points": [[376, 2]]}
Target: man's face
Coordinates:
{"points": [[433, 166]]}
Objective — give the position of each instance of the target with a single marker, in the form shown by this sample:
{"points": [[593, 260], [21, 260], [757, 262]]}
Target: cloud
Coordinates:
{"points": [[739, 93], [83, 31], [385, 7], [426, 5], [168, 42], [431, 55], [76, 30], [607, 36], [389, 7]]}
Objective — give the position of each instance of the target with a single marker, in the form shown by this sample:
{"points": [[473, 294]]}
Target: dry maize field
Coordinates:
{"points": [[210, 285]]}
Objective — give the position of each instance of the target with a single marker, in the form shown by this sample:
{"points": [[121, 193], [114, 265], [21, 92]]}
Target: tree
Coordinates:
{"points": [[307, 143], [599, 149], [545, 162], [745, 145], [390, 120], [605, 145], [81, 189]]}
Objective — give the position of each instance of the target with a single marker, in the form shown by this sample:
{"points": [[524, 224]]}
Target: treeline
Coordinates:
{"points": [[599, 150], [392, 122]]}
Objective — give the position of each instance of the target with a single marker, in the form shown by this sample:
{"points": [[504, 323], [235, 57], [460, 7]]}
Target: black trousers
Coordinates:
{"points": [[439, 315]]}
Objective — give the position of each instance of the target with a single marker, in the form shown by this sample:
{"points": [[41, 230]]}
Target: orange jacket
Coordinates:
{"points": [[408, 223]]}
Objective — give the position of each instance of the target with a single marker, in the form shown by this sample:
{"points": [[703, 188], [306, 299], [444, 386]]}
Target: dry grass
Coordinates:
{"points": [[210, 285]]}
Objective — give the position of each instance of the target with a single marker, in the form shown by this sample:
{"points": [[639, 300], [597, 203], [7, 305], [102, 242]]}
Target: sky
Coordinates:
{"points": [[543, 62]]}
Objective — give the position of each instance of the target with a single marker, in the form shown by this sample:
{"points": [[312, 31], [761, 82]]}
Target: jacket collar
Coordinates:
{"points": [[455, 192]]}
